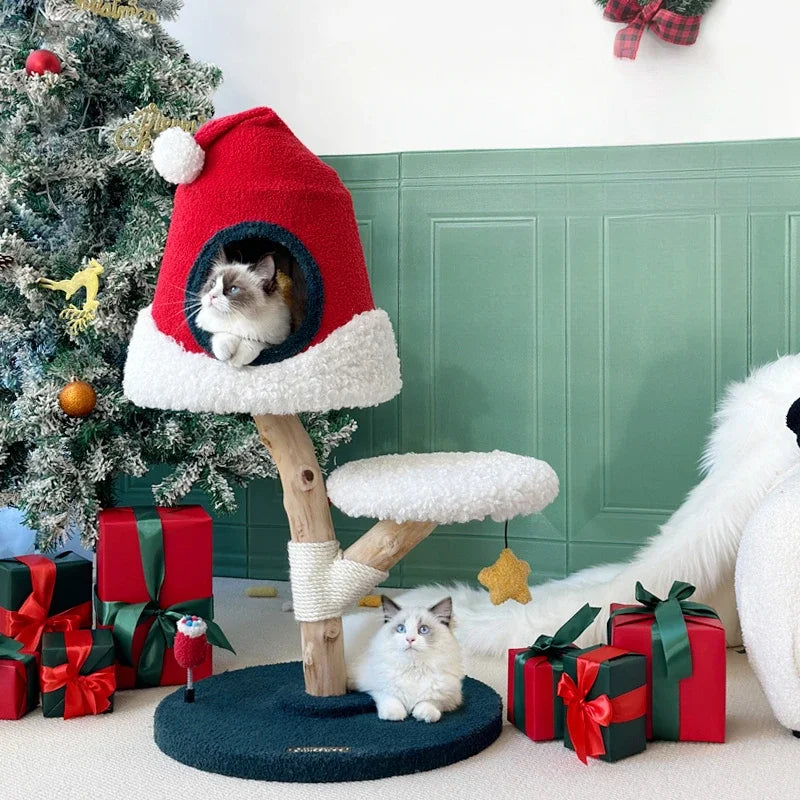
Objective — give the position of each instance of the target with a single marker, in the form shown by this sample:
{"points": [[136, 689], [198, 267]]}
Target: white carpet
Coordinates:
{"points": [[114, 756]]}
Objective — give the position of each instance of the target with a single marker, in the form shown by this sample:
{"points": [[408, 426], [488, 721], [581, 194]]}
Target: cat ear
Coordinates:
{"points": [[264, 268], [443, 610], [390, 608]]}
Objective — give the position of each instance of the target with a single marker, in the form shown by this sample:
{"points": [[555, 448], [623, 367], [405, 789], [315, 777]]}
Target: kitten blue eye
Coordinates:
{"points": [[423, 629], [401, 628], [234, 290]]}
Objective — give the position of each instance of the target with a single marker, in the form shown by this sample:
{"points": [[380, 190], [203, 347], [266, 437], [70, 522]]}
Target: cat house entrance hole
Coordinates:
{"points": [[246, 243]]}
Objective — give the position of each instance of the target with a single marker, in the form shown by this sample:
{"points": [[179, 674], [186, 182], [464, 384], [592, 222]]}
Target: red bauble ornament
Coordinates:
{"points": [[41, 61]]}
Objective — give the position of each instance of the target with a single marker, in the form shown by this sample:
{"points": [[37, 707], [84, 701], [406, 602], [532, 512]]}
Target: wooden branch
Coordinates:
{"points": [[306, 504], [386, 542]]}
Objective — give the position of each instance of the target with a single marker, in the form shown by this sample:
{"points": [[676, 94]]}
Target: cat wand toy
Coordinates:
{"points": [[190, 649]]}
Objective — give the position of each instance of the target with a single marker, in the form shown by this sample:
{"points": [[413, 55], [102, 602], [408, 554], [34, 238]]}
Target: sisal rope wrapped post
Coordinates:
{"points": [[306, 503], [307, 510]]}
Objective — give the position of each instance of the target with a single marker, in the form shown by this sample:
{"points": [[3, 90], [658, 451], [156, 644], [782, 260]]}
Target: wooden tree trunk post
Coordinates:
{"points": [[306, 504], [309, 515]]}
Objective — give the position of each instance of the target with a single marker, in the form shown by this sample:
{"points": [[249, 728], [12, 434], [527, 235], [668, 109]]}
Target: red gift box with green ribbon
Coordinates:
{"points": [[39, 594], [533, 676], [153, 566], [684, 643], [19, 680], [605, 702], [77, 674]]}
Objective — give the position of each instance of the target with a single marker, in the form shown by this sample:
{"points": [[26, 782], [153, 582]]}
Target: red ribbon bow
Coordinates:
{"points": [[585, 717], [27, 624], [667, 25], [86, 694]]}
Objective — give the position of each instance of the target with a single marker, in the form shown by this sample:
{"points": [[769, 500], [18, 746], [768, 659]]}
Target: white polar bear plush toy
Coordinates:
{"points": [[768, 592]]}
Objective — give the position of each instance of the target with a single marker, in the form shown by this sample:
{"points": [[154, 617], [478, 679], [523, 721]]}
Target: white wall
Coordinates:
{"points": [[361, 76]]}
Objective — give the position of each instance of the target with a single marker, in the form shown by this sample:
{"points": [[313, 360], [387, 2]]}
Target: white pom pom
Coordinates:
{"points": [[177, 157]]}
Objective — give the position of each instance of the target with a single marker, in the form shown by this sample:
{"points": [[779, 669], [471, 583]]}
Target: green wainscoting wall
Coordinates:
{"points": [[586, 306]]}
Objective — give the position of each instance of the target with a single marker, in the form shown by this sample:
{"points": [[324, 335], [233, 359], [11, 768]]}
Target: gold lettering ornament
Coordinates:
{"points": [[138, 134], [89, 279], [118, 10]]}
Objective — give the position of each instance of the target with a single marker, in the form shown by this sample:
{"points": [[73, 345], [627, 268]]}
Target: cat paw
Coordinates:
{"points": [[246, 353], [223, 346], [426, 712], [391, 709]]}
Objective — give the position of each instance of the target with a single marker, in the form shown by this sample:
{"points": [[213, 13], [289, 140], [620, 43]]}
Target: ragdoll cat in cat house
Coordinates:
{"points": [[254, 208]]}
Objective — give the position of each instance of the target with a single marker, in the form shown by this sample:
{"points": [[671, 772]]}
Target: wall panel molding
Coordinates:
{"points": [[587, 306]]}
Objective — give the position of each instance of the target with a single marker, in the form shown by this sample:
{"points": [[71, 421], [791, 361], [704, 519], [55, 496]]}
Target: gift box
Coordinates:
{"points": [[605, 701], [684, 643], [39, 594], [19, 680], [533, 675], [153, 566], [77, 674]]}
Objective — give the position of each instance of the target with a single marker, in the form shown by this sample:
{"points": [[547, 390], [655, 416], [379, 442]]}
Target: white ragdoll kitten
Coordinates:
{"points": [[243, 309], [412, 665]]}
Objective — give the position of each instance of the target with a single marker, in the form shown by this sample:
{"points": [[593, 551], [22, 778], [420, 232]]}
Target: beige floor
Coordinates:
{"points": [[114, 756]]}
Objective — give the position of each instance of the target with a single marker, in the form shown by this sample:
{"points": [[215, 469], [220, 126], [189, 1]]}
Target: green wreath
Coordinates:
{"points": [[689, 8]]}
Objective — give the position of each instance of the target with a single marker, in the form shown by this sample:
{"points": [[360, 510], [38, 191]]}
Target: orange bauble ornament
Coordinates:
{"points": [[77, 399]]}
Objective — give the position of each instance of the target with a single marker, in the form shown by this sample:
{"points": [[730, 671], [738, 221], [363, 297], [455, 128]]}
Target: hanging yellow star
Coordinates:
{"points": [[507, 579]]}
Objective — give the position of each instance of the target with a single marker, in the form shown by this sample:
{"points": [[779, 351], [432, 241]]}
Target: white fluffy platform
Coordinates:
{"points": [[355, 367], [768, 598], [749, 452], [443, 487]]}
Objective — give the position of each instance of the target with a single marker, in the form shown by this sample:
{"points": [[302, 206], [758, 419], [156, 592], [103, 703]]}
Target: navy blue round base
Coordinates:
{"points": [[259, 723]]}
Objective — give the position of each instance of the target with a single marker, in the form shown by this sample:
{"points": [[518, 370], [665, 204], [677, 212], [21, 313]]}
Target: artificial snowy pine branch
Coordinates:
{"points": [[69, 194]]}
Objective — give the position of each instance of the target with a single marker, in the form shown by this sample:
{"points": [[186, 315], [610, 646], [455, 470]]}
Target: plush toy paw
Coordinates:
{"points": [[391, 709], [426, 712]]}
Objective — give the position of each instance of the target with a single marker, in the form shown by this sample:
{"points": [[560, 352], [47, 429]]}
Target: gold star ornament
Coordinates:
{"points": [[507, 579]]}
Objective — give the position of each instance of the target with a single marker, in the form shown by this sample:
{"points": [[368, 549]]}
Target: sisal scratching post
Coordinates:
{"points": [[309, 516], [306, 503]]}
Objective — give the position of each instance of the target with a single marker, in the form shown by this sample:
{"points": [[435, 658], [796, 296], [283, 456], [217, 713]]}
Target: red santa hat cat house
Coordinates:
{"points": [[247, 177]]}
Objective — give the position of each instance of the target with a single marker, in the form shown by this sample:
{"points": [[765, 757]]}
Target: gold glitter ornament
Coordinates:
{"points": [[77, 399]]}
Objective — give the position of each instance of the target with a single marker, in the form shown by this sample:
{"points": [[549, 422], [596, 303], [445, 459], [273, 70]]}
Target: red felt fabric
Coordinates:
{"points": [[256, 170]]}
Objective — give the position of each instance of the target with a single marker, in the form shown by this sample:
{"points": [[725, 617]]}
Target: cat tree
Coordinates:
{"points": [[247, 177]]}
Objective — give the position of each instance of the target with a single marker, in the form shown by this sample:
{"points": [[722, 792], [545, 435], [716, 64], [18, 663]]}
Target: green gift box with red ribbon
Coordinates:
{"points": [[684, 643], [77, 674], [605, 702], [39, 594], [533, 676], [19, 680], [153, 566]]}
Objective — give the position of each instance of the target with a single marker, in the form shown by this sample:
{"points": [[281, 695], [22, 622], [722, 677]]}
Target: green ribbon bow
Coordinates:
{"points": [[671, 660], [126, 617], [552, 648], [11, 648]]}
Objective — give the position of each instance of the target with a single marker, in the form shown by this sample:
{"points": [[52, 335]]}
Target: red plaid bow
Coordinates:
{"points": [[667, 25], [85, 694], [29, 623]]}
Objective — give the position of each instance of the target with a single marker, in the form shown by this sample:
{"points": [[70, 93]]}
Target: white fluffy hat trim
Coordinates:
{"points": [[443, 487], [177, 157], [355, 367]]}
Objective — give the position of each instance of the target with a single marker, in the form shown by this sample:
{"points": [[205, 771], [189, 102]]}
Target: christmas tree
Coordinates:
{"points": [[84, 88]]}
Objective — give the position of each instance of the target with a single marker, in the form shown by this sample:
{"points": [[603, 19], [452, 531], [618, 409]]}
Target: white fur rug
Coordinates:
{"points": [[114, 756], [750, 451]]}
